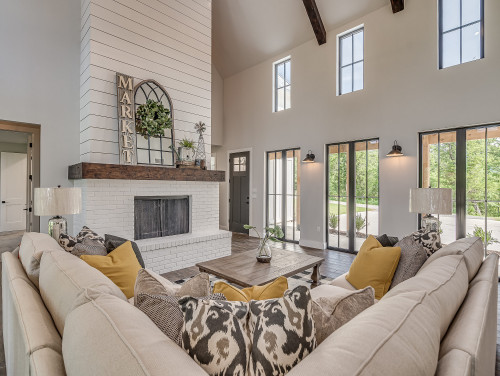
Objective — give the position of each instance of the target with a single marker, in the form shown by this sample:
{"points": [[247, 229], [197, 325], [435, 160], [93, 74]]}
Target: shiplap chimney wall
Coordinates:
{"points": [[169, 41]]}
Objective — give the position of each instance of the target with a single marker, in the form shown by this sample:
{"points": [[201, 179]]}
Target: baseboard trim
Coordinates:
{"points": [[224, 227], [312, 244]]}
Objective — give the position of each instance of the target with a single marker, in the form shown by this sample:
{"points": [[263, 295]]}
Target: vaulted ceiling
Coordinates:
{"points": [[247, 32]]}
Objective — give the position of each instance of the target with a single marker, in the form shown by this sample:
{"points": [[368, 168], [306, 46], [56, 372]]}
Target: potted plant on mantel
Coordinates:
{"points": [[152, 119], [273, 234]]}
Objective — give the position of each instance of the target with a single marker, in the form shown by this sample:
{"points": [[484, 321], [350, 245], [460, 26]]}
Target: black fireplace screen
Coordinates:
{"points": [[155, 217]]}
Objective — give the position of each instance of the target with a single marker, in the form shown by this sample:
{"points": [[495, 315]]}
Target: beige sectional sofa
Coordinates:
{"points": [[62, 317]]}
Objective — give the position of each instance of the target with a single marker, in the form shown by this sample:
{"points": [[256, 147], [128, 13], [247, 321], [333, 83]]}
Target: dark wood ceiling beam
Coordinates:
{"points": [[316, 22], [397, 5]]}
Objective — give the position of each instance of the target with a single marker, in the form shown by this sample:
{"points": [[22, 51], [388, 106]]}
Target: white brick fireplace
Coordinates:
{"points": [[108, 208]]}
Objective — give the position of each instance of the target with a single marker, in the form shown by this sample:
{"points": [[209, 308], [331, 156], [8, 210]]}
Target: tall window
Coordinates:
{"points": [[282, 85], [353, 193], [461, 25], [351, 61], [283, 192], [466, 160]]}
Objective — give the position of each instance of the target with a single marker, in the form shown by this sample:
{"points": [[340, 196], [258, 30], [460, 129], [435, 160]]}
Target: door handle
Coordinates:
{"points": [[3, 202]]}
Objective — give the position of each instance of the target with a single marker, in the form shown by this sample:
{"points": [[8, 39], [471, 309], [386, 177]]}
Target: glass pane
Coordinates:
{"points": [[343, 171], [451, 14], [280, 69], [155, 156], [493, 168], [270, 211], [279, 173], [167, 158], [471, 43], [290, 165], [475, 224], [165, 143], [142, 156], [154, 143], [361, 223], [346, 50], [451, 48], [358, 76], [142, 142], [333, 222], [236, 168], [288, 99], [471, 11], [447, 179], [333, 171], [493, 224], [430, 157], [361, 161], [373, 182], [373, 218], [297, 172], [271, 163], [358, 46], [448, 226], [289, 225], [476, 165], [287, 73], [346, 80], [281, 99], [279, 209], [297, 218]]}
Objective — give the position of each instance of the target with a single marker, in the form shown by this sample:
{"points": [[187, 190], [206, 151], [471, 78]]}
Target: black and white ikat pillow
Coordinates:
{"points": [[282, 332], [430, 240]]}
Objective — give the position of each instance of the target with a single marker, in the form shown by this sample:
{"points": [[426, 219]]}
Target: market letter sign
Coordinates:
{"points": [[126, 119]]}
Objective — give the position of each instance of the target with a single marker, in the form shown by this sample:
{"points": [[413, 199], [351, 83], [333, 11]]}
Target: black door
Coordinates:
{"points": [[239, 191]]}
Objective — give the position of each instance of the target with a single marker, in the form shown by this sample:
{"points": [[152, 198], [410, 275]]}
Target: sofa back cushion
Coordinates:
{"points": [[106, 323], [474, 328], [33, 244], [471, 248], [445, 282], [63, 277], [397, 336]]}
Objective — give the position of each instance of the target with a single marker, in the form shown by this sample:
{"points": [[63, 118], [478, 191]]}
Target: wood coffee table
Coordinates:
{"points": [[244, 270]]}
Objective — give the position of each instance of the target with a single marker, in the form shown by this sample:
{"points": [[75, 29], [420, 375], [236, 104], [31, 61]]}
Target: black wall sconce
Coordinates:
{"points": [[397, 151], [310, 157]]}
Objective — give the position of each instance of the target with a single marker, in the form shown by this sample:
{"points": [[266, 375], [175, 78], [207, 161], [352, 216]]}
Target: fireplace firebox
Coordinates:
{"points": [[160, 216]]}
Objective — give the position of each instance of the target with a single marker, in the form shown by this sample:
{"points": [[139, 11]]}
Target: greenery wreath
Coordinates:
{"points": [[152, 118]]}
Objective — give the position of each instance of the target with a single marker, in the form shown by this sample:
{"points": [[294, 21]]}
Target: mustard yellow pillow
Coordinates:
{"points": [[272, 290], [374, 266], [120, 266]]}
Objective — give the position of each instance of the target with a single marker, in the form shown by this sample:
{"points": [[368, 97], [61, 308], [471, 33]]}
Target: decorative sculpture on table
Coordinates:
{"points": [[200, 156]]}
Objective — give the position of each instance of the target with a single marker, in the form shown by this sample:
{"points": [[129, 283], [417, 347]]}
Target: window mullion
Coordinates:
{"points": [[461, 188]]}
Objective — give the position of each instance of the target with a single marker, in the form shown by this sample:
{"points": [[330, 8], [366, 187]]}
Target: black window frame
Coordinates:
{"points": [[461, 27], [276, 86], [283, 192], [353, 62]]}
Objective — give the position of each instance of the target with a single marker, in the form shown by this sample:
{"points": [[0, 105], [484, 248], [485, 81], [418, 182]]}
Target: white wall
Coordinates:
{"points": [[40, 52], [168, 41], [217, 108], [404, 93]]}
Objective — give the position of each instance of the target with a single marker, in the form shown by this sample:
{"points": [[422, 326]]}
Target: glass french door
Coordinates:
{"points": [[283, 192], [466, 160], [352, 193]]}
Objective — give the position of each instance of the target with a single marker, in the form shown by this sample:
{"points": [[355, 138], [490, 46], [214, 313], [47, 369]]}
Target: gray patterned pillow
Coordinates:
{"points": [[338, 308], [282, 332], [431, 240], [215, 335], [69, 242], [413, 256], [89, 247], [165, 312]]}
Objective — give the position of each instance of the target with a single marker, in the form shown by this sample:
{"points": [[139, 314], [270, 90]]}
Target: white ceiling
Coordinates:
{"points": [[13, 137], [247, 32]]}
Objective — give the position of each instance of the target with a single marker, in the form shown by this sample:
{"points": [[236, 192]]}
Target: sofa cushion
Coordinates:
{"points": [[333, 307], [14, 268], [215, 334], [148, 282], [455, 363], [341, 281], [397, 336], [63, 277], [282, 332], [112, 242], [413, 256], [374, 266], [165, 312], [271, 290], [33, 244], [46, 362], [108, 336], [121, 266], [472, 250], [445, 282], [474, 329]]}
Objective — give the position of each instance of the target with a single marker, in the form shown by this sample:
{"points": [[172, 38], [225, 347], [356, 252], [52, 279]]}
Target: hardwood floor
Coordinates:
{"points": [[10, 240]]}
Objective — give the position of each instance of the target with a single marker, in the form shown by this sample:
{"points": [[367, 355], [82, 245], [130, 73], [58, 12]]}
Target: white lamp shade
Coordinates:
{"points": [[57, 201], [431, 201]]}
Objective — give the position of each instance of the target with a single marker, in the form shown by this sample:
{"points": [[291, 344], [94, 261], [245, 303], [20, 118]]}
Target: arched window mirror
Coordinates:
{"points": [[155, 150]]}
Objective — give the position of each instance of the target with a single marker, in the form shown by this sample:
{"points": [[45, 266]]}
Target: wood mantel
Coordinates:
{"points": [[137, 172]]}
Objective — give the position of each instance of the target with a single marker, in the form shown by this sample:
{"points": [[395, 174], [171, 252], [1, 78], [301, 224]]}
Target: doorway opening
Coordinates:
{"points": [[19, 175]]}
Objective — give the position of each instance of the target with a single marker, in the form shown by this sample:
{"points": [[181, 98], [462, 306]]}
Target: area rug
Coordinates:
{"points": [[299, 279]]}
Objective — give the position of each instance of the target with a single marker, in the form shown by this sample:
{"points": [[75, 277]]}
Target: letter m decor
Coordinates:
{"points": [[126, 119]]}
